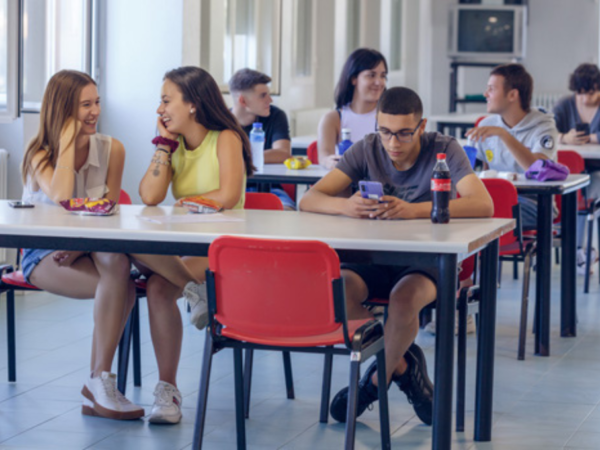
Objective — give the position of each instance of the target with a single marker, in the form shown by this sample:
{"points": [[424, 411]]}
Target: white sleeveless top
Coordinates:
{"points": [[90, 180], [359, 124]]}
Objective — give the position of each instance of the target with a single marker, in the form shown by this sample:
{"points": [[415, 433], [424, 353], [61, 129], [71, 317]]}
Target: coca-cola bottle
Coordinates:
{"points": [[441, 186]]}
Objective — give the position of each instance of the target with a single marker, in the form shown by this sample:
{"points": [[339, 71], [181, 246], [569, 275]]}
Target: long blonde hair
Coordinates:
{"points": [[60, 103]]}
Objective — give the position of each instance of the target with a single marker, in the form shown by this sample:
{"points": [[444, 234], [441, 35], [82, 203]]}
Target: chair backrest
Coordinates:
{"points": [[576, 164], [124, 198], [272, 288], [505, 198], [312, 152], [262, 200]]}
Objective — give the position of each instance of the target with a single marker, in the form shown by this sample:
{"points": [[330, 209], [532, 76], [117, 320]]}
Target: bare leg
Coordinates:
{"points": [[171, 268], [104, 277], [166, 327]]}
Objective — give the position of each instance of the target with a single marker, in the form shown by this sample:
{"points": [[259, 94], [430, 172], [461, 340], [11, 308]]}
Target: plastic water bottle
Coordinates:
{"points": [[345, 143], [441, 185], [257, 142]]}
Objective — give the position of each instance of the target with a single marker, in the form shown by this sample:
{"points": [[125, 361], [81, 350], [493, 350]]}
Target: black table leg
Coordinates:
{"points": [[486, 335], [568, 288], [542, 279], [444, 353]]}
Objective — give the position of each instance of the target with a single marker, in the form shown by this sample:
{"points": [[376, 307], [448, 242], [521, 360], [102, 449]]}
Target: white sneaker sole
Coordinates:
{"points": [[91, 408], [162, 419]]}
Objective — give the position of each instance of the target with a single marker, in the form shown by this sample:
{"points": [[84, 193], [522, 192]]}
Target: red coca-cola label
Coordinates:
{"points": [[441, 184]]}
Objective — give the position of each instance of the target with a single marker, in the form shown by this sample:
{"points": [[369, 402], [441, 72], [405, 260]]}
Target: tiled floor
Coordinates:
{"points": [[541, 403]]}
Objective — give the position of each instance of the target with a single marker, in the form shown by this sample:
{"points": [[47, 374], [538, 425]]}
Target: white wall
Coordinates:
{"points": [[141, 40]]}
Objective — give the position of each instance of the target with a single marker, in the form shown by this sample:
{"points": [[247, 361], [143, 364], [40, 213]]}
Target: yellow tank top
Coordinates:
{"points": [[196, 172]]}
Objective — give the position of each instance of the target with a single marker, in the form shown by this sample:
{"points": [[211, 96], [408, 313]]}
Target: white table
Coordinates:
{"points": [[381, 242], [279, 173]]}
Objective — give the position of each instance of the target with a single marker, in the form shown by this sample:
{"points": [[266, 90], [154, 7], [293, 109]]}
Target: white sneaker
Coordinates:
{"points": [[197, 297], [430, 327], [103, 399], [167, 404], [581, 259]]}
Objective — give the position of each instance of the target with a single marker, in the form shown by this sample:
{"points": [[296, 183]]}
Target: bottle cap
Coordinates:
{"points": [[441, 156], [257, 125]]}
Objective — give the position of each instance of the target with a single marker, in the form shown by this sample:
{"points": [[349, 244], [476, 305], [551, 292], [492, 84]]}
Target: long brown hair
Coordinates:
{"points": [[200, 88], [60, 103]]}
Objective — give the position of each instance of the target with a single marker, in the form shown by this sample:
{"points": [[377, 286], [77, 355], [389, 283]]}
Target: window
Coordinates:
{"points": [[56, 36], [303, 38], [244, 33], [396, 36], [9, 43], [353, 26]]}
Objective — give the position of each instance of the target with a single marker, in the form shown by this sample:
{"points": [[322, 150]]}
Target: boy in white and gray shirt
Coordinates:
{"points": [[516, 135]]}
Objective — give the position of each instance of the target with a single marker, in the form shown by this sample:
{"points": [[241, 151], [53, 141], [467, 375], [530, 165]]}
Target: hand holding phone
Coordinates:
{"points": [[583, 127], [20, 204], [371, 189]]}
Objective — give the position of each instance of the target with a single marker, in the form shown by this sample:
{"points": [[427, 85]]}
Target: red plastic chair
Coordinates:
{"points": [[478, 121], [513, 245], [257, 300], [263, 200], [312, 153], [588, 208], [13, 280]]}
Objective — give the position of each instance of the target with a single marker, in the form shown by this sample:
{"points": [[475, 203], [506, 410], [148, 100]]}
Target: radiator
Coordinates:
{"points": [[3, 188], [546, 100]]}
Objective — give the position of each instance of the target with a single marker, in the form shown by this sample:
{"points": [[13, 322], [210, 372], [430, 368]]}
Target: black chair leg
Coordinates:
{"points": [[240, 422], [203, 392], [588, 255], [461, 362], [557, 255], [289, 377], [352, 403], [11, 336], [137, 357], [123, 358], [326, 389], [515, 269], [524, 304], [384, 414], [248, 359]]}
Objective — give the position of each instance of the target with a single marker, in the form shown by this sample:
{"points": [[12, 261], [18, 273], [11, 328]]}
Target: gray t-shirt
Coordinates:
{"points": [[368, 160]]}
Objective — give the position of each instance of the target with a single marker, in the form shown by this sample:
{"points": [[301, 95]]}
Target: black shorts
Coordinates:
{"points": [[380, 279]]}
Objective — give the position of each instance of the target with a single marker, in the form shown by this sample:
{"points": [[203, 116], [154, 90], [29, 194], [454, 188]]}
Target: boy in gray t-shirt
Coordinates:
{"points": [[401, 156], [516, 135]]}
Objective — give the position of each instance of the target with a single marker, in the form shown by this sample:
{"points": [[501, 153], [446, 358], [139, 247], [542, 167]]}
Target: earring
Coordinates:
{"points": [[192, 111]]}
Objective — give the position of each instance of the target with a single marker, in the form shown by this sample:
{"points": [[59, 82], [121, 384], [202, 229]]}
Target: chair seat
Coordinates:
{"points": [[511, 249], [18, 280], [333, 338]]}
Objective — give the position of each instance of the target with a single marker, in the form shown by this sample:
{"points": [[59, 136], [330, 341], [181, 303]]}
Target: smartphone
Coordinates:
{"points": [[585, 127], [20, 204], [371, 189]]}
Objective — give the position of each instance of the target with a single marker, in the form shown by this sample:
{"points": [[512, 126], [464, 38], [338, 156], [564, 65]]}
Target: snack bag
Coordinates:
{"points": [[200, 205], [297, 162], [90, 206]]}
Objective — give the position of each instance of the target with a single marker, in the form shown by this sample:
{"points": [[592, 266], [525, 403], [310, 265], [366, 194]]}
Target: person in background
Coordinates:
{"points": [[515, 135], [362, 81], [201, 150], [574, 111], [401, 155], [252, 103]]}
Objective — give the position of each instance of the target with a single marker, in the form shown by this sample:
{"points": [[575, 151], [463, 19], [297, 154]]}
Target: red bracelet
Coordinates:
{"points": [[172, 144]]}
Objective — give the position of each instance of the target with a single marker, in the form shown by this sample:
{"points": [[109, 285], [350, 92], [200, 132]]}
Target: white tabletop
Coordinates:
{"points": [[313, 170], [303, 141], [460, 236], [455, 117]]}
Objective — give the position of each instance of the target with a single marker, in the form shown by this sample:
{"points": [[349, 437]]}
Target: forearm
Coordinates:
{"points": [[226, 197], [276, 156], [524, 157], [155, 183], [471, 207], [316, 201], [63, 178]]}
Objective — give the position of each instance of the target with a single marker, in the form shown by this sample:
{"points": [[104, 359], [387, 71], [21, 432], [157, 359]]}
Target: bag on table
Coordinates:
{"points": [[547, 170]]}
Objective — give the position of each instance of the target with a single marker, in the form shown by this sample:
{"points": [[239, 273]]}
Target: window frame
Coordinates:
{"points": [[13, 78]]}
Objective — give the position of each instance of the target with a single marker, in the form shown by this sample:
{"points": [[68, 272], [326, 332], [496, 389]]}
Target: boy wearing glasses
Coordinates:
{"points": [[401, 155]]}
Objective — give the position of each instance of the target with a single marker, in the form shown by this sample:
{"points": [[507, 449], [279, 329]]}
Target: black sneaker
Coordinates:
{"points": [[415, 383], [367, 394]]}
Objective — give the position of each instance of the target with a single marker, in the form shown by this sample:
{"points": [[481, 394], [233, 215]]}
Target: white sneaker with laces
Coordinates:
{"points": [[197, 297], [581, 259], [167, 404], [103, 399], [430, 327]]}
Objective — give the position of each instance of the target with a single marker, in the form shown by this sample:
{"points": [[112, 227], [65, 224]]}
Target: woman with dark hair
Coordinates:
{"points": [[201, 150], [578, 122], [362, 81], [580, 108]]}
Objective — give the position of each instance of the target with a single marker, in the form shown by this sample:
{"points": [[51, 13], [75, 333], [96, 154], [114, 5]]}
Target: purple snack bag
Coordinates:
{"points": [[547, 170]]}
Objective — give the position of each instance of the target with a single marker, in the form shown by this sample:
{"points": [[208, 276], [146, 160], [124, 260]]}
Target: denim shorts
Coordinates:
{"points": [[30, 259]]}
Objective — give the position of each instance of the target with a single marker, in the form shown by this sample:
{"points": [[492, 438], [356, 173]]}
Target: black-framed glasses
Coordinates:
{"points": [[405, 135]]}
